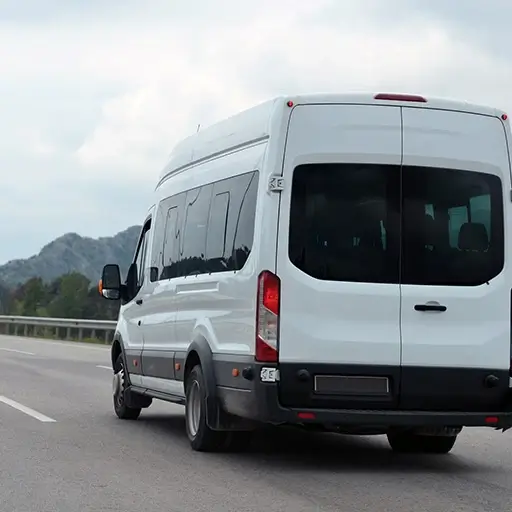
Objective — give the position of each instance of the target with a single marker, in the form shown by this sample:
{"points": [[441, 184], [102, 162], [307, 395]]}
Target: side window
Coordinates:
{"points": [[345, 222], [156, 263], [207, 229], [193, 260], [457, 216], [480, 210], [170, 262], [231, 223], [244, 231], [216, 257], [141, 256], [139, 261], [170, 248], [238, 188]]}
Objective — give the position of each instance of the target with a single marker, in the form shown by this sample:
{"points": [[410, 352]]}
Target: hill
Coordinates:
{"points": [[73, 253]]}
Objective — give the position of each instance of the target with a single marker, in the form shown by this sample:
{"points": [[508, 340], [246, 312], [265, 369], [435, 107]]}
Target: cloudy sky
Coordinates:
{"points": [[94, 93]]}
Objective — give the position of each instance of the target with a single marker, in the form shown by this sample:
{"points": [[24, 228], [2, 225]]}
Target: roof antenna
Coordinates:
{"points": [[198, 127]]}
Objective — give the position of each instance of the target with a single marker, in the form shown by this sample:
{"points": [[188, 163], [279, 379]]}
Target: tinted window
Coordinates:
{"points": [[159, 223], [174, 207], [244, 230], [238, 188], [217, 259], [193, 251], [234, 228], [344, 222], [207, 229], [452, 227], [140, 259]]}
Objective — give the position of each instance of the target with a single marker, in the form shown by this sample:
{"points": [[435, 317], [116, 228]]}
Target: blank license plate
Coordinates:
{"points": [[351, 385]]}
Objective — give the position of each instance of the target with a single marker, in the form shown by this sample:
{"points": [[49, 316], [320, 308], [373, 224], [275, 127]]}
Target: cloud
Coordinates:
{"points": [[95, 94]]}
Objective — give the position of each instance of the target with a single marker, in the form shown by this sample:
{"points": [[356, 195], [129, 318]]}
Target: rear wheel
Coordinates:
{"points": [[407, 442], [118, 387], [202, 438]]}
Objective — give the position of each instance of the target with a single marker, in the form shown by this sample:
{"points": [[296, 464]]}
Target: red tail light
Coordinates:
{"points": [[400, 97], [306, 415], [267, 317]]}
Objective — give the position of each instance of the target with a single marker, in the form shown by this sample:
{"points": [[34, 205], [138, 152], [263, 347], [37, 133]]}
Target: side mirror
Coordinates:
{"points": [[110, 283]]}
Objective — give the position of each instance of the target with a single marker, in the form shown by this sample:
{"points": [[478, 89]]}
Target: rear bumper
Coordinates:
{"points": [[264, 406], [261, 402]]}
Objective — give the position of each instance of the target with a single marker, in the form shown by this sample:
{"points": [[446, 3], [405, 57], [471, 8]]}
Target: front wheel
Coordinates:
{"points": [[118, 388], [407, 442]]}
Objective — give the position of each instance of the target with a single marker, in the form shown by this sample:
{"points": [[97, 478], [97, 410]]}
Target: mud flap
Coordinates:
{"points": [[136, 400]]}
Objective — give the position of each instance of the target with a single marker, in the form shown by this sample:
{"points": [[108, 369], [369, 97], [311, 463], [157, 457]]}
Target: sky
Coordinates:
{"points": [[95, 93]]}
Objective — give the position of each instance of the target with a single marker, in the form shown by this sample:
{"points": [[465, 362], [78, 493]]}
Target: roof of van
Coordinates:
{"points": [[254, 124]]}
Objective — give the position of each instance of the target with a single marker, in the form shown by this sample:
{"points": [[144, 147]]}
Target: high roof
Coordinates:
{"points": [[240, 129], [254, 124]]}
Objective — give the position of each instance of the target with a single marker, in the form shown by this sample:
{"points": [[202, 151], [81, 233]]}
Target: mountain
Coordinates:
{"points": [[73, 253]]}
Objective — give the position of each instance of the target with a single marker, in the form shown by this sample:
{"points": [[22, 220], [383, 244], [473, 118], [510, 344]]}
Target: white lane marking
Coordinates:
{"points": [[105, 367], [17, 351], [26, 410]]}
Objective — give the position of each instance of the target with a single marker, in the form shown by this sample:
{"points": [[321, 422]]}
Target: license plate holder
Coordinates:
{"points": [[351, 385]]}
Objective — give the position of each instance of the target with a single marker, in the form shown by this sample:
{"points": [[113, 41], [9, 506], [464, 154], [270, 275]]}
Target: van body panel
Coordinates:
{"points": [[324, 321], [474, 331]]}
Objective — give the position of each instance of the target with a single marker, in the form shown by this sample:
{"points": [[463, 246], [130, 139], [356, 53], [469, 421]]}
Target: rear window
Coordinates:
{"points": [[452, 227], [344, 222], [349, 222]]}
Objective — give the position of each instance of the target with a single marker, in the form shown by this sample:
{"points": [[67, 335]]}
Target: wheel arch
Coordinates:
{"points": [[116, 349], [200, 352]]}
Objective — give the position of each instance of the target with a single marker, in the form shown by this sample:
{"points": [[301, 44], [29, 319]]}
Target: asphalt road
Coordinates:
{"points": [[68, 452]]}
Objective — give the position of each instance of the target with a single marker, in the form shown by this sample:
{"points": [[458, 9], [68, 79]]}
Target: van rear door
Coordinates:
{"points": [[454, 281], [338, 258]]}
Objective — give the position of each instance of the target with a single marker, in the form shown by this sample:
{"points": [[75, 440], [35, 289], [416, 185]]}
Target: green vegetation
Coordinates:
{"points": [[60, 282], [68, 296]]}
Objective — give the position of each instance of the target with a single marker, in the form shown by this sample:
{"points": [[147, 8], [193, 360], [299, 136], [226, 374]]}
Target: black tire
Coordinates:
{"points": [[406, 442], [202, 438], [121, 409], [238, 441]]}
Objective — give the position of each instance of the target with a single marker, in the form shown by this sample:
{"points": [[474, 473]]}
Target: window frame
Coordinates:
{"points": [[179, 200], [142, 245], [206, 189], [496, 234], [389, 178]]}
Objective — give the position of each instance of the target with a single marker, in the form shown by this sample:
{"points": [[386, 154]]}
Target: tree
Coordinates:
{"points": [[69, 296], [5, 300], [34, 296]]}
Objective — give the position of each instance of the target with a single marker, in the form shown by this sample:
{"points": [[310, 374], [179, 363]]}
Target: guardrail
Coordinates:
{"points": [[58, 328]]}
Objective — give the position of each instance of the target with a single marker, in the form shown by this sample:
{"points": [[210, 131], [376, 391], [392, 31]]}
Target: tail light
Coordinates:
{"points": [[267, 317]]}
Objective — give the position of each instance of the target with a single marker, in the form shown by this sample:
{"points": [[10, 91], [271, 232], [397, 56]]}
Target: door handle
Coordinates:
{"points": [[430, 307], [139, 301]]}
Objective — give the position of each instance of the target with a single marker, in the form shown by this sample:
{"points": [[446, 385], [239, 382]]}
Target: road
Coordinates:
{"points": [[68, 452]]}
